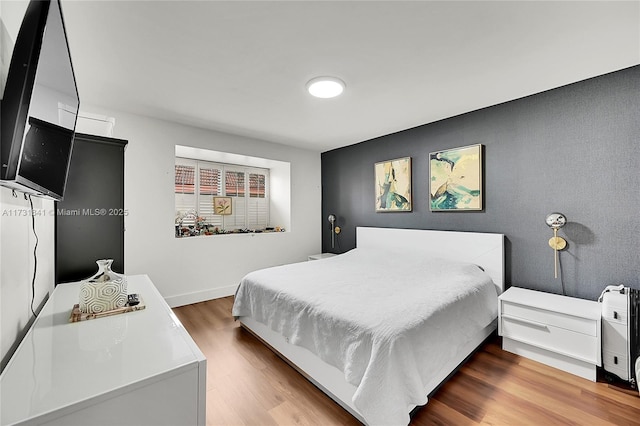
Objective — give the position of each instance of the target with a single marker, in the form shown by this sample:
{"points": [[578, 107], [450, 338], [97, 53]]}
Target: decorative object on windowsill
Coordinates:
{"points": [[201, 222], [104, 291], [556, 221], [456, 179], [393, 185], [191, 224], [222, 205]]}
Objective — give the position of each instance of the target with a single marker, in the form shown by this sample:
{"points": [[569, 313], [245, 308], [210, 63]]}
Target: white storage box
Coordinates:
{"points": [[615, 334], [620, 332]]}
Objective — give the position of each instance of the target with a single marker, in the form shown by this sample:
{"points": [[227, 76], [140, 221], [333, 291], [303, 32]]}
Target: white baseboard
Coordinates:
{"points": [[200, 296]]}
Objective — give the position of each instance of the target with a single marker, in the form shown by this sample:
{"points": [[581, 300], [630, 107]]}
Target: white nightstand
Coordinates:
{"points": [[560, 331], [320, 256]]}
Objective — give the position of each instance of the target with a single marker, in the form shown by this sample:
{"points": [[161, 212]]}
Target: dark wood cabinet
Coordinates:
{"points": [[90, 218]]}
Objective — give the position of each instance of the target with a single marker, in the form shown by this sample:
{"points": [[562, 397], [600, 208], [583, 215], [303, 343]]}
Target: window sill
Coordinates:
{"points": [[251, 233]]}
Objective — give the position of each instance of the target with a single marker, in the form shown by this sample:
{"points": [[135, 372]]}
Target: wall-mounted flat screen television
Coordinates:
{"points": [[39, 106]]}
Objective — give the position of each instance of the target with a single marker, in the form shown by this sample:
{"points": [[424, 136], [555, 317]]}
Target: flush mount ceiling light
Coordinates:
{"points": [[325, 87]]}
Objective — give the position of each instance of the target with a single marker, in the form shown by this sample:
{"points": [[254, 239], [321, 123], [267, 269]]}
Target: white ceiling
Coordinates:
{"points": [[241, 67]]}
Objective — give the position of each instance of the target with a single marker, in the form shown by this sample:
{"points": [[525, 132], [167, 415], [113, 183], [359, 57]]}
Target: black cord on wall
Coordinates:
{"points": [[564, 292], [35, 256]]}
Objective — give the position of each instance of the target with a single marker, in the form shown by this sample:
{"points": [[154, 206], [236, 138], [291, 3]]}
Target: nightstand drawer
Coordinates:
{"points": [[560, 340], [556, 319]]}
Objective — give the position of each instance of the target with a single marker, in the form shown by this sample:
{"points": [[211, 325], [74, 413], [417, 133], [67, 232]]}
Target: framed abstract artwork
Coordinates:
{"points": [[222, 205], [393, 185], [456, 179]]}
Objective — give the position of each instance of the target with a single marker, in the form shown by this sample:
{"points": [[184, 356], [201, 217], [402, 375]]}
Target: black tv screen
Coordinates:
{"points": [[45, 148], [39, 106]]}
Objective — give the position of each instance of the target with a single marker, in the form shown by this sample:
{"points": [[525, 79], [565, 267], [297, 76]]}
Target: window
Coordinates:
{"points": [[198, 182], [184, 179], [185, 194], [234, 183], [256, 185]]}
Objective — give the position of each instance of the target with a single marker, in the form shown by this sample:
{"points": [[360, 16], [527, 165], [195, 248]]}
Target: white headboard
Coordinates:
{"points": [[483, 249]]}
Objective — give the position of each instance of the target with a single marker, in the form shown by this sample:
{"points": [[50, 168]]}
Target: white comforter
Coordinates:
{"points": [[388, 320]]}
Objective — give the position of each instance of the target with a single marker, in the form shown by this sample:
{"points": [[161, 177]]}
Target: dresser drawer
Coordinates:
{"points": [[556, 319], [546, 336]]}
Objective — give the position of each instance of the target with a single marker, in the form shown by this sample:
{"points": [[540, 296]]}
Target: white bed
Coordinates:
{"points": [[428, 306]]}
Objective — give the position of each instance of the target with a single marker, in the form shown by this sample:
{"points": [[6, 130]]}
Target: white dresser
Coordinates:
{"points": [[563, 332], [138, 368]]}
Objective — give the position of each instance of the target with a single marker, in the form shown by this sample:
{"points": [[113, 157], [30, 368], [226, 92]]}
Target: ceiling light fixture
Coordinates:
{"points": [[325, 87]]}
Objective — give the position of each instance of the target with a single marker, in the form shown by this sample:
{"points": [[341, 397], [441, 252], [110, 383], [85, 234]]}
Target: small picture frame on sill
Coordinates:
{"points": [[222, 205]]}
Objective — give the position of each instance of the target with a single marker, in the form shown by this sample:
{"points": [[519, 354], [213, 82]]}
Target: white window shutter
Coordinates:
{"points": [[258, 213], [236, 220]]}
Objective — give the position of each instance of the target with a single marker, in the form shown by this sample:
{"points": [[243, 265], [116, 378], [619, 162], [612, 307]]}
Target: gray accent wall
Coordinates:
{"points": [[574, 149]]}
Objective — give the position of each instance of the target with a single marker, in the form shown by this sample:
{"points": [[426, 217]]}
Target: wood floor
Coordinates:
{"points": [[247, 384]]}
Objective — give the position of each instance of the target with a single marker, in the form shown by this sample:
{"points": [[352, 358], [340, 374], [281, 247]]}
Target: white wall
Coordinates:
{"points": [[184, 270], [17, 244], [11, 13], [16, 237], [188, 270]]}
